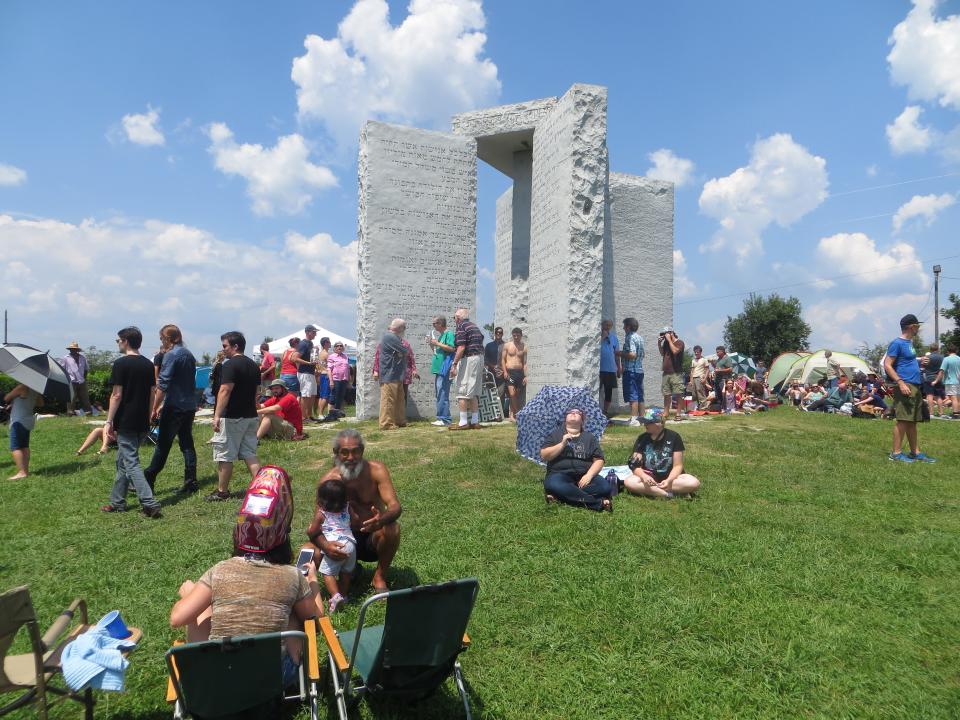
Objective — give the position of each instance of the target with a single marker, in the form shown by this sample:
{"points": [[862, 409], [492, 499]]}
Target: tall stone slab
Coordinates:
{"points": [[417, 245], [638, 265], [567, 217], [502, 260]]}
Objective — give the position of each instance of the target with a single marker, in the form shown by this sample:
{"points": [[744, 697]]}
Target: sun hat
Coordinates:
{"points": [[74, 346], [652, 414], [276, 381]]}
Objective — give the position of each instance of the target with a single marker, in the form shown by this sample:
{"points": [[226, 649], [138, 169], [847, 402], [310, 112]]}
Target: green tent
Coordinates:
{"points": [[780, 367], [813, 367]]}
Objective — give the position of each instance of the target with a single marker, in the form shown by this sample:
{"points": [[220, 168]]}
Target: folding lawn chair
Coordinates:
{"points": [[490, 405], [219, 678], [412, 653], [32, 673]]}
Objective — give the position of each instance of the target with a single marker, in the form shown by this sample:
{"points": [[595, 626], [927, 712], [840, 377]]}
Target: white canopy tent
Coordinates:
{"points": [[280, 344]]}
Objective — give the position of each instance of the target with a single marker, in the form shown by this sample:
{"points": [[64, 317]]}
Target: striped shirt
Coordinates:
{"points": [[469, 337]]}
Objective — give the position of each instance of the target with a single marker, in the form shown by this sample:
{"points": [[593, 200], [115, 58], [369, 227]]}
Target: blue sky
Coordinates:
{"points": [[196, 162]]}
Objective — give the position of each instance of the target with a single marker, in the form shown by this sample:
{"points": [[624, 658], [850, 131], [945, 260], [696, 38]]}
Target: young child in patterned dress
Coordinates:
{"points": [[333, 519]]}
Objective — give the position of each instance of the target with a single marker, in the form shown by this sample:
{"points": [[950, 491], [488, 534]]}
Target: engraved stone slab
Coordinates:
{"points": [[567, 219], [638, 267], [417, 246]]}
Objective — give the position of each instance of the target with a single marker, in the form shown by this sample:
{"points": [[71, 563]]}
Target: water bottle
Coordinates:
{"points": [[614, 482]]}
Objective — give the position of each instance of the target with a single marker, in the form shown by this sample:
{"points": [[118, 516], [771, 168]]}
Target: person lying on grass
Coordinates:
{"points": [[657, 461], [574, 459], [375, 509], [97, 435]]}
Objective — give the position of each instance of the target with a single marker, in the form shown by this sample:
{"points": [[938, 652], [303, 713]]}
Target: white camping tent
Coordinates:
{"points": [[813, 367], [280, 344]]}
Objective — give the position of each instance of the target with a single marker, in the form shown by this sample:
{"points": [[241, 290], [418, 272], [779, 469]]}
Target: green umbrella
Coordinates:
{"points": [[743, 365]]}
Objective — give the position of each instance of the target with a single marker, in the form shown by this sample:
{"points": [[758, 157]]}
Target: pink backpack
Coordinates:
{"points": [[266, 514]]}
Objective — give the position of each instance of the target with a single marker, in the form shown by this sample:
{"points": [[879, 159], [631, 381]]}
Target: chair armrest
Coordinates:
{"points": [[333, 643], [171, 691], [466, 640], [313, 660], [63, 622]]}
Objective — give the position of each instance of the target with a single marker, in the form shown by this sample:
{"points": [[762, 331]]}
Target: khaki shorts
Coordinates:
{"points": [[672, 384], [470, 377], [308, 384], [908, 408], [280, 429], [237, 439]]}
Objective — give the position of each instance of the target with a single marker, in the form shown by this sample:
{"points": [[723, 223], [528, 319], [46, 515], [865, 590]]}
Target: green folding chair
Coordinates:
{"points": [[411, 654], [240, 676]]}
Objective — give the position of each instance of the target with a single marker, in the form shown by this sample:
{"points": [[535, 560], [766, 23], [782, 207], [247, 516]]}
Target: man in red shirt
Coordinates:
{"points": [[280, 416], [268, 365]]}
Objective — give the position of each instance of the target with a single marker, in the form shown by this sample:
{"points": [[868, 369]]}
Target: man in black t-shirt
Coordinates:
{"points": [[128, 421], [235, 418], [657, 461]]}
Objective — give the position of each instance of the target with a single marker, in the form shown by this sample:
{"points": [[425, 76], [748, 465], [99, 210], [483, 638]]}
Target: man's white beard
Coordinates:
{"points": [[346, 473]]}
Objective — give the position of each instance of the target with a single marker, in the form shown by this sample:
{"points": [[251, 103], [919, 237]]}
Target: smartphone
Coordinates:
{"points": [[303, 559]]}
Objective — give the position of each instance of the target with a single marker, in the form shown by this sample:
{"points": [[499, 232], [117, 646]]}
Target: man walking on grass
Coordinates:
{"points": [[235, 418], [950, 377], [904, 370], [467, 367], [128, 420]]}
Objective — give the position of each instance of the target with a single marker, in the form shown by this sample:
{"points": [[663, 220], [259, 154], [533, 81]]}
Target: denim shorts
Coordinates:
{"points": [[291, 382], [19, 437], [632, 386]]}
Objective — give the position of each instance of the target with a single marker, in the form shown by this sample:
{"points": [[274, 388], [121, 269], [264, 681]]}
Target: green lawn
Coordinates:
{"points": [[811, 578]]}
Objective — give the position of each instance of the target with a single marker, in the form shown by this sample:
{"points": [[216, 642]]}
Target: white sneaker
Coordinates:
{"points": [[95, 412], [335, 602], [439, 423], [634, 422]]}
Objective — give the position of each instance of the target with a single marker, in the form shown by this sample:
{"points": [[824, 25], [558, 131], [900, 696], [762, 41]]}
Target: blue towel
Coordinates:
{"points": [[95, 659]]}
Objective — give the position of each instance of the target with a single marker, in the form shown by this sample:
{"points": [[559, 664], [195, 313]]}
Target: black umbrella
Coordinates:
{"points": [[36, 369]]}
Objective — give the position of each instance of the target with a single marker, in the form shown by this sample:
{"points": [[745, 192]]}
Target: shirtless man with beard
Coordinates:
{"points": [[374, 504]]}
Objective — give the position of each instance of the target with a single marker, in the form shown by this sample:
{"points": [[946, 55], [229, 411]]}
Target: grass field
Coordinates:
{"points": [[811, 578]]}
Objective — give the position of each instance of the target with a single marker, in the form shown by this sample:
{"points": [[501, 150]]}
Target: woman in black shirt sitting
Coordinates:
{"points": [[574, 458], [657, 461]]}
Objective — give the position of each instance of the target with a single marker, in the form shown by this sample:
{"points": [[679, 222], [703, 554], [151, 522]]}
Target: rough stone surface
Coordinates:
{"points": [[566, 240], [503, 255], [638, 264], [503, 118], [417, 245]]}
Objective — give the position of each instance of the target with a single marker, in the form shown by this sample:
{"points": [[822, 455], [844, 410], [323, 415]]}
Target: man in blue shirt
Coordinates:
{"points": [[903, 369], [174, 405], [950, 377], [610, 368]]}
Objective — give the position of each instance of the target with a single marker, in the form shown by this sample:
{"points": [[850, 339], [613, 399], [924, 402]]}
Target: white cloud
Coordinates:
{"points": [[871, 170], [683, 286], [668, 166], [907, 135], [279, 179], [154, 272], [845, 324], [925, 55], [142, 129], [10, 175], [782, 183], [922, 206], [708, 335], [419, 72], [898, 269]]}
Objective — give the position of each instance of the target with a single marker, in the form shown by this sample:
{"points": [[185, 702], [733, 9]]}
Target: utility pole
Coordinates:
{"points": [[4, 327], [936, 304]]}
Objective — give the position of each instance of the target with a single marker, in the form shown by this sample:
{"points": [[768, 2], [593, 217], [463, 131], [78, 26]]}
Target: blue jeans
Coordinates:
{"points": [[564, 488], [129, 471], [442, 387], [175, 424], [339, 393]]}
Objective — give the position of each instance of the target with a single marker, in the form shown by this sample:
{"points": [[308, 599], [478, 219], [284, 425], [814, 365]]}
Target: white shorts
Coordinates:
{"points": [[470, 377], [951, 390], [237, 439], [308, 384], [331, 567]]}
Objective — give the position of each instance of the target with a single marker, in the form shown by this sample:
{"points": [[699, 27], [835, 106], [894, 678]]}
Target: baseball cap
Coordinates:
{"points": [[666, 329], [310, 328], [909, 319], [652, 415]]}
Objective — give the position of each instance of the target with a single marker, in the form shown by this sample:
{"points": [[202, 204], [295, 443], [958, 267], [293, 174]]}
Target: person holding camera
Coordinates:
{"points": [[657, 461], [671, 350]]}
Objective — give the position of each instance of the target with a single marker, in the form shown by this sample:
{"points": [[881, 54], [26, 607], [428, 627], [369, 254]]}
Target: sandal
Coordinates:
{"points": [[551, 500], [606, 505]]}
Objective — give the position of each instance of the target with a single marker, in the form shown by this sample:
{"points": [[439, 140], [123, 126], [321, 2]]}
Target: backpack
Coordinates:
{"points": [[266, 513]]}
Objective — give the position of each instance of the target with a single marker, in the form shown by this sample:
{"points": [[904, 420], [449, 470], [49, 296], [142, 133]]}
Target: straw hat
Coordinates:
{"points": [[74, 346]]}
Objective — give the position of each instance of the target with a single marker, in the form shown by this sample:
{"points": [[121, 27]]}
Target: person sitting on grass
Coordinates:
{"points": [[22, 401], [280, 416], [731, 399], [834, 399], [333, 519], [574, 459], [255, 591], [657, 461], [97, 435]]}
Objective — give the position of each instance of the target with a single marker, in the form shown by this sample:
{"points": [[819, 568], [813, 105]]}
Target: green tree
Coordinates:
{"points": [[952, 337], [872, 354], [100, 359], [767, 327]]}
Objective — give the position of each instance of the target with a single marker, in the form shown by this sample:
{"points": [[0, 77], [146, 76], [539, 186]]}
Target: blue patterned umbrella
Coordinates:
{"points": [[546, 411]]}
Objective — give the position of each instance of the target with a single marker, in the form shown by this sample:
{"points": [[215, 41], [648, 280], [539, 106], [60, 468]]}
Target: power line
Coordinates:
{"points": [[890, 185]]}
